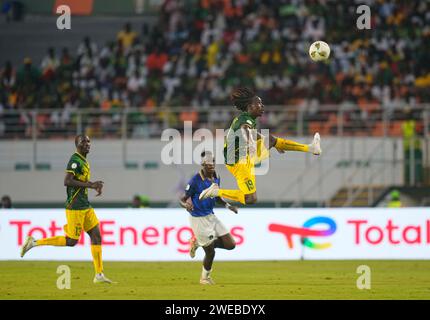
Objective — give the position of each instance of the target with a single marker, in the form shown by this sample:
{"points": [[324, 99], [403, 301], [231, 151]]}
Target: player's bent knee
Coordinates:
{"points": [[251, 200], [231, 246], [71, 242]]}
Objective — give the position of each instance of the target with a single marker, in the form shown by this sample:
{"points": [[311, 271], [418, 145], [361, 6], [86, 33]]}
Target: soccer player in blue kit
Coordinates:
{"points": [[209, 231]]}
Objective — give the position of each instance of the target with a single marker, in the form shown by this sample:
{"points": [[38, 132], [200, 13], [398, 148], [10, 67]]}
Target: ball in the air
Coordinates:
{"points": [[319, 51]]}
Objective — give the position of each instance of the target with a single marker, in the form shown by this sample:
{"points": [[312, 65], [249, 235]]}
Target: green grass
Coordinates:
{"points": [[235, 280]]}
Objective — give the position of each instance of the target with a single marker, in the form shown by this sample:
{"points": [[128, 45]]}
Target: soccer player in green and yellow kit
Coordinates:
{"points": [[244, 147], [79, 213]]}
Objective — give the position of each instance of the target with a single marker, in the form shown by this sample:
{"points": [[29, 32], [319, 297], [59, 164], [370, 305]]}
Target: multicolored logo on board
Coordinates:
{"points": [[305, 232]]}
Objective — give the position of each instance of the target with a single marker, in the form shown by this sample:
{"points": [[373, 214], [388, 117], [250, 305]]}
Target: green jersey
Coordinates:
{"points": [[77, 197], [235, 147]]}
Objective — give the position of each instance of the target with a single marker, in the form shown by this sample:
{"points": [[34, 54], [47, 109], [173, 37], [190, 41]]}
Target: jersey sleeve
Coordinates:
{"points": [[246, 120], [190, 189], [73, 167]]}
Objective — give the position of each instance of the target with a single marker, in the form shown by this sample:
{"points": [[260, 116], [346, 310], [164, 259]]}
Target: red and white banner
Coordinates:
{"points": [[261, 234]]}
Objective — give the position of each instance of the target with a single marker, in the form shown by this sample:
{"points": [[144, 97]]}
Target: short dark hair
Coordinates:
{"points": [[77, 138], [205, 154], [6, 202], [242, 97]]}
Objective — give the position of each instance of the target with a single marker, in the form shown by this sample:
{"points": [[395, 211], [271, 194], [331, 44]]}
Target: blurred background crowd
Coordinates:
{"points": [[200, 49]]}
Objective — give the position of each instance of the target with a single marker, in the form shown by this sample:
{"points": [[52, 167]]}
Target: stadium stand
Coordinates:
{"points": [[199, 50]]}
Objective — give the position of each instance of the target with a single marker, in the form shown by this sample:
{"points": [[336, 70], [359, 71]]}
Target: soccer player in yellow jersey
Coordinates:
{"points": [[79, 213], [244, 147]]}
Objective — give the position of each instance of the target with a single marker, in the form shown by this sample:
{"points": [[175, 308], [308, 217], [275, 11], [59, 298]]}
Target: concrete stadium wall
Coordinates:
{"points": [[33, 36], [320, 176], [99, 7]]}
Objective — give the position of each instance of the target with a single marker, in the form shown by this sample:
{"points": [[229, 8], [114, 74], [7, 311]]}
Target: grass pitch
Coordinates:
{"points": [[273, 280]]}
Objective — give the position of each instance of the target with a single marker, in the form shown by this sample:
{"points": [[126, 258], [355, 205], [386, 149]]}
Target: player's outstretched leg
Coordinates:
{"points": [[30, 242], [288, 145], [214, 191]]}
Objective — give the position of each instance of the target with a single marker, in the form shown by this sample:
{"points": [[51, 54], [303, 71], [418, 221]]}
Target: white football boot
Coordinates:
{"points": [[315, 146], [101, 278], [207, 280], [211, 192], [29, 243]]}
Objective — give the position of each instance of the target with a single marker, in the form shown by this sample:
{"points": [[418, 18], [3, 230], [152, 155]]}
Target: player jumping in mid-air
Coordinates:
{"points": [[209, 231], [243, 149], [79, 213]]}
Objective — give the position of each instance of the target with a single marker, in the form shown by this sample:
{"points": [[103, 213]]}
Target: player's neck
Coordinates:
{"points": [[249, 114], [207, 174]]}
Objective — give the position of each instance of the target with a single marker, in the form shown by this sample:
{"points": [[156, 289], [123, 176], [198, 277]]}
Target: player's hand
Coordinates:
{"points": [[98, 186], [99, 191], [189, 206]]}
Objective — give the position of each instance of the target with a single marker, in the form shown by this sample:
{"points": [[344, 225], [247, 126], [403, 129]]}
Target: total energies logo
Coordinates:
{"points": [[305, 232]]}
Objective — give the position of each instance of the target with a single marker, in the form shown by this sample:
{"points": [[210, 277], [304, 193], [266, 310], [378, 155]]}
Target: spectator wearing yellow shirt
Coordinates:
{"points": [[127, 36], [395, 200]]}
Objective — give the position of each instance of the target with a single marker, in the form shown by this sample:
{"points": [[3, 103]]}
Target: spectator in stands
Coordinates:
{"points": [[49, 65], [127, 36], [28, 75], [7, 77], [6, 202], [413, 155], [140, 201], [87, 47], [199, 50], [395, 199]]}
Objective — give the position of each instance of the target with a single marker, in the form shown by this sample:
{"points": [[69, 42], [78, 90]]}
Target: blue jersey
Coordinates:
{"points": [[197, 184]]}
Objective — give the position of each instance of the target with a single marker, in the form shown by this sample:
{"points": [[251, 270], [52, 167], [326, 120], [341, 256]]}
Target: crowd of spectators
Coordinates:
{"points": [[201, 49]]}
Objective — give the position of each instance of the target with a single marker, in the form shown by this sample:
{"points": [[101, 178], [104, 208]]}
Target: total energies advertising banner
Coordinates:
{"points": [[260, 234]]}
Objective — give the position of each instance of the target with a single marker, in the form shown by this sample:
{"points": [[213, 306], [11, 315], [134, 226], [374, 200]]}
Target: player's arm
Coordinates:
{"points": [[184, 204], [70, 181], [226, 204], [247, 135], [189, 192]]}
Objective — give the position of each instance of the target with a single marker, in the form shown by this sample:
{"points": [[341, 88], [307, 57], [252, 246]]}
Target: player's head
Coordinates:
{"points": [[208, 162], [246, 100], [83, 144], [6, 202]]}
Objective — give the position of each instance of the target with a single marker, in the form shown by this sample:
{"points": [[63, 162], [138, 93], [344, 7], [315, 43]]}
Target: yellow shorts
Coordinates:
{"points": [[78, 220], [244, 172]]}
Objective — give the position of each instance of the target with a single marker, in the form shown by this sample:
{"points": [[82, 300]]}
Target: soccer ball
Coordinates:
{"points": [[319, 51]]}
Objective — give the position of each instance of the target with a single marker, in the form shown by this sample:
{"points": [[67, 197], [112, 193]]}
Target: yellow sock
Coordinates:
{"points": [[59, 241], [96, 251], [235, 195], [288, 145]]}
